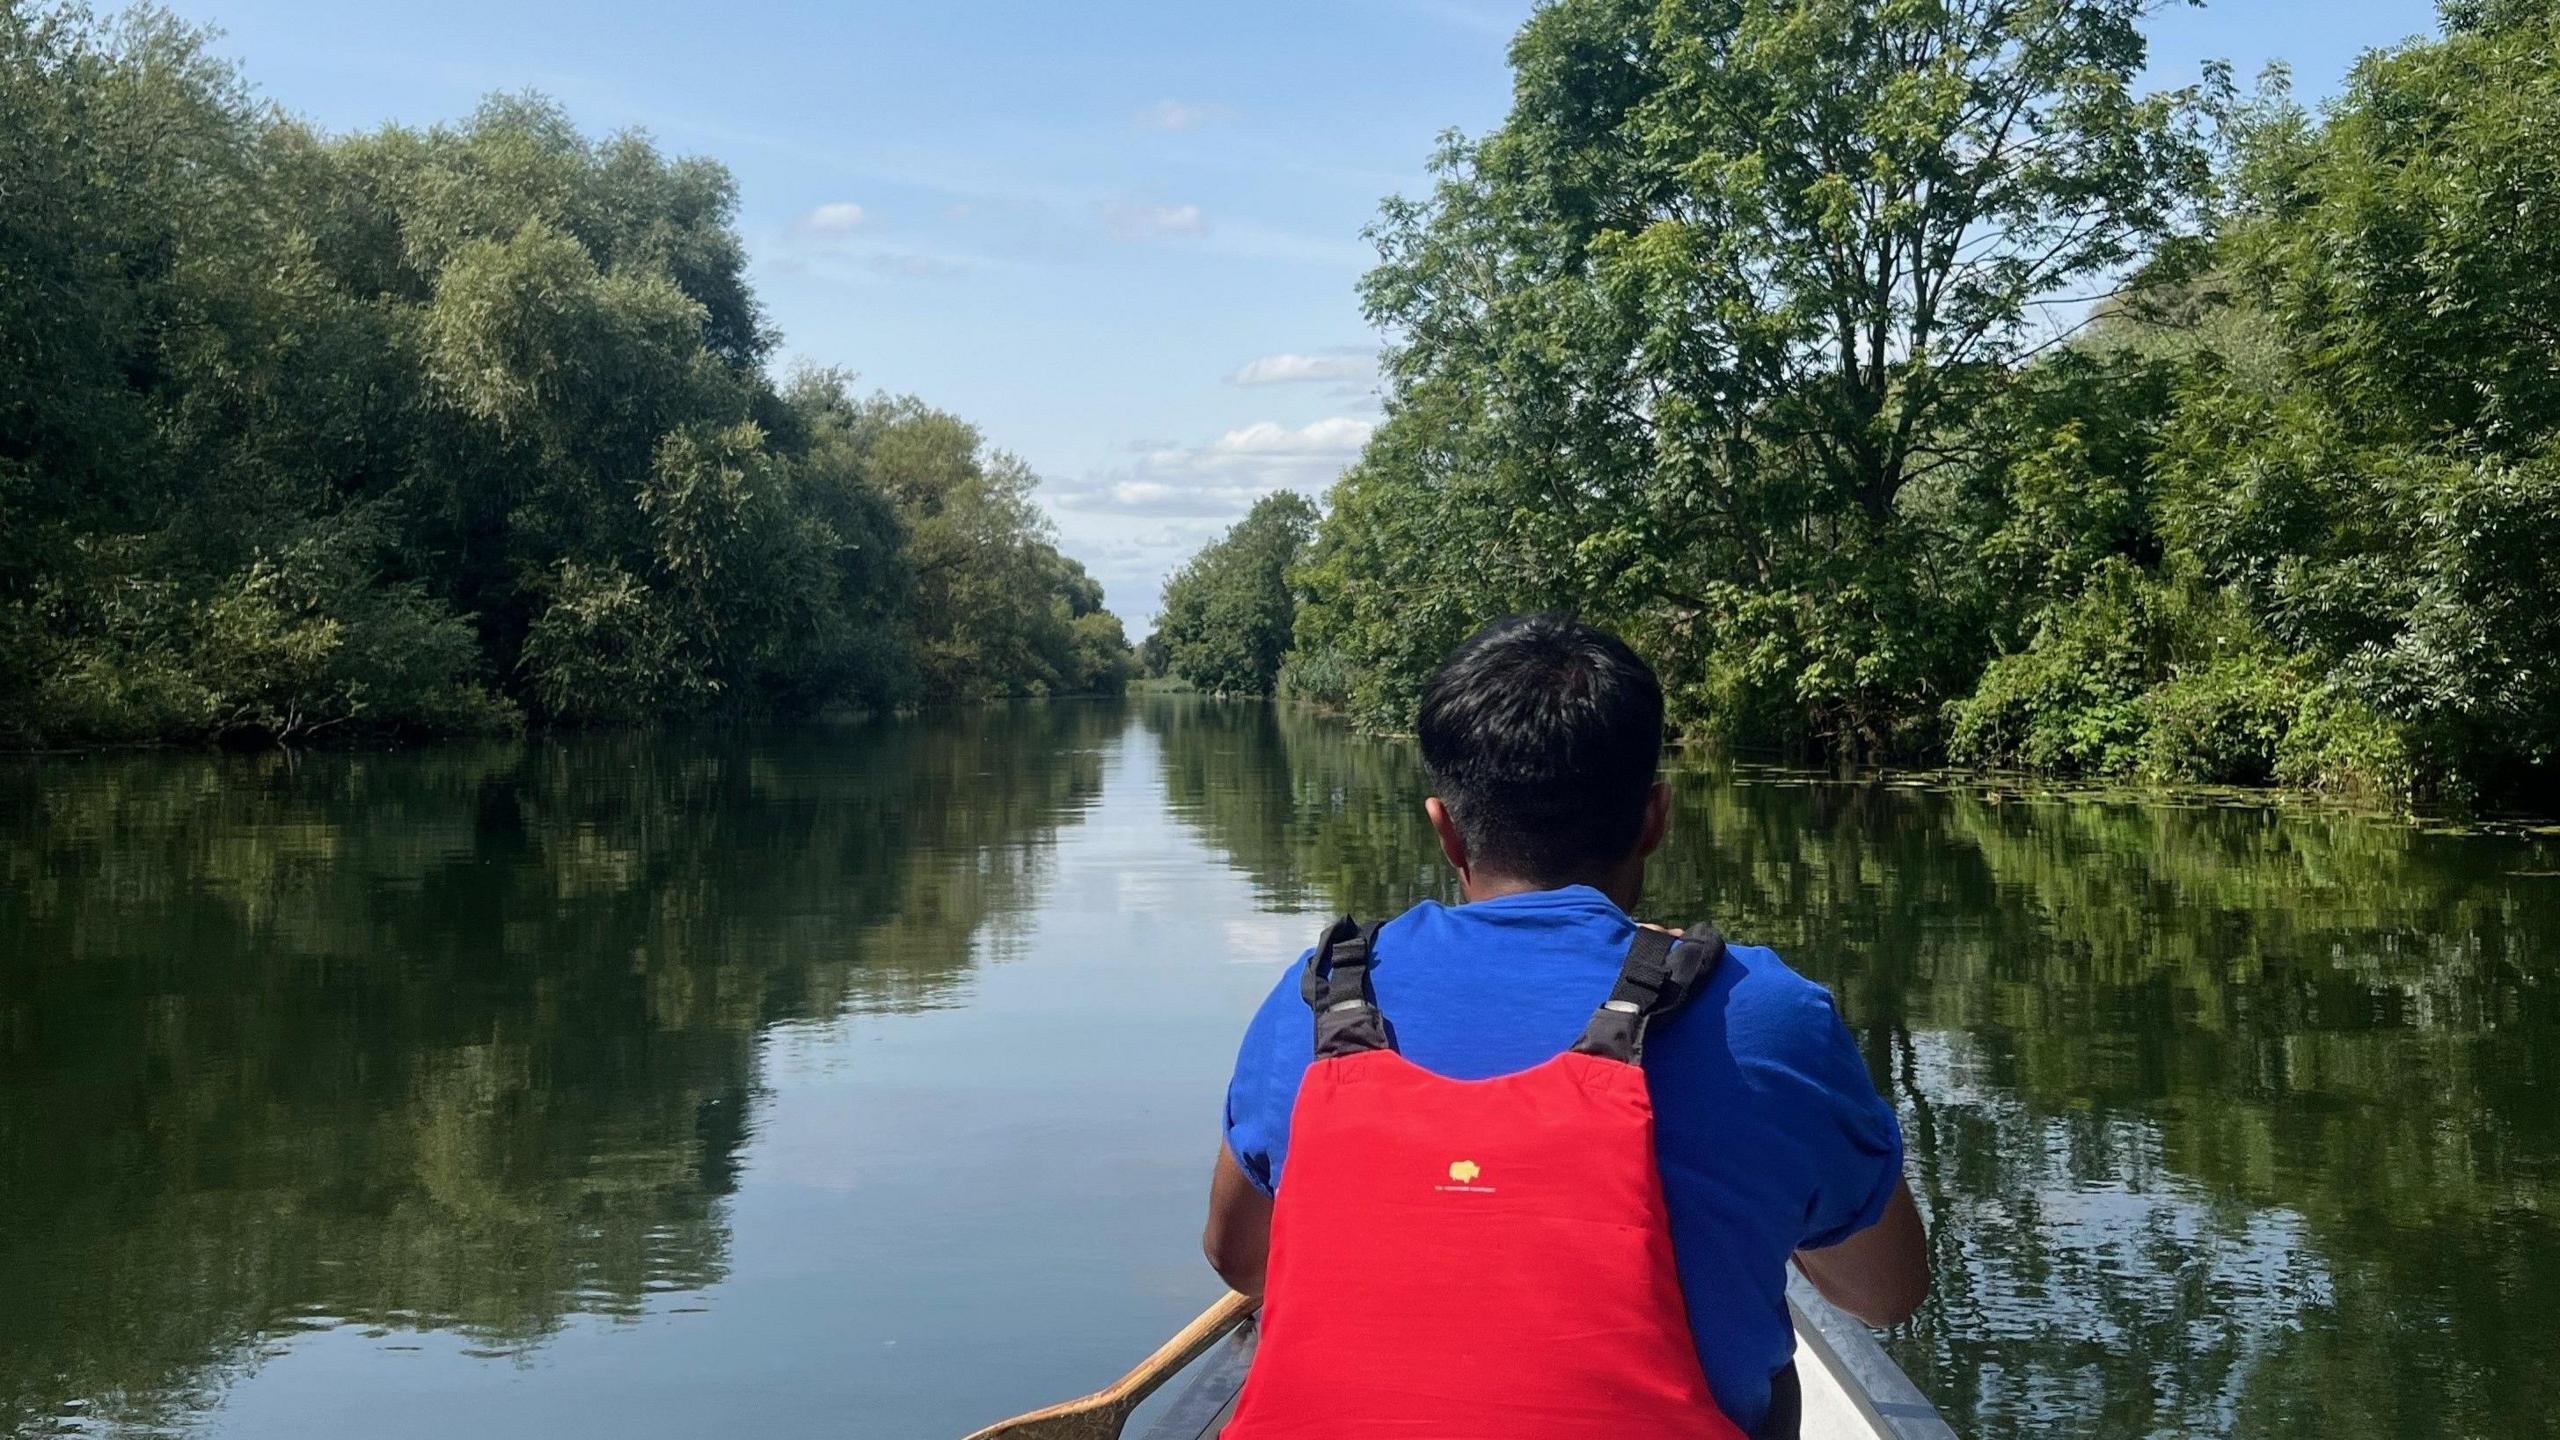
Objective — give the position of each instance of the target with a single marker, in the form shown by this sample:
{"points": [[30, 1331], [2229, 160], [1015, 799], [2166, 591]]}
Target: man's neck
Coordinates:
{"points": [[1621, 892]]}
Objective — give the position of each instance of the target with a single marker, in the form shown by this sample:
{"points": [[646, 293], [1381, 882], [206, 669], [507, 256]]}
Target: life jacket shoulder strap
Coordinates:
{"points": [[1660, 975], [1336, 986]]}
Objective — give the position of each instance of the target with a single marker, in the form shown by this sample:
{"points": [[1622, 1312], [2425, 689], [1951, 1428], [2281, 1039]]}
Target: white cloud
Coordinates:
{"points": [[838, 218], [1140, 494], [1222, 479], [841, 241], [1131, 221], [1295, 369], [1132, 553], [1336, 437], [1182, 115]]}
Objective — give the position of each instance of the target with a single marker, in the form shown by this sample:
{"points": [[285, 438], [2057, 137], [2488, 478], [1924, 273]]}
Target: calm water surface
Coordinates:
{"points": [[863, 1081]]}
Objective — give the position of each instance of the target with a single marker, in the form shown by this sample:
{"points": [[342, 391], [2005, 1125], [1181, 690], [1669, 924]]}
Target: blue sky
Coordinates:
{"points": [[1120, 236]]}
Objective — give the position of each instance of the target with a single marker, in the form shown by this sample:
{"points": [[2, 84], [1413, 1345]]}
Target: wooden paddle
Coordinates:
{"points": [[1100, 1415]]}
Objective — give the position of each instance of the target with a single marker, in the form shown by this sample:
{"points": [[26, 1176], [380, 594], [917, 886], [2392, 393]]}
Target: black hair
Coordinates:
{"points": [[1543, 735]]}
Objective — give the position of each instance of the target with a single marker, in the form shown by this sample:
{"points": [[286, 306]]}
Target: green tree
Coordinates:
{"points": [[996, 609], [1682, 338], [1228, 613], [2354, 496], [2397, 520], [421, 429]]}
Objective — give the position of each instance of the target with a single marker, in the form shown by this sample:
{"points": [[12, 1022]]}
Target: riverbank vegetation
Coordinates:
{"points": [[1913, 386], [444, 429]]}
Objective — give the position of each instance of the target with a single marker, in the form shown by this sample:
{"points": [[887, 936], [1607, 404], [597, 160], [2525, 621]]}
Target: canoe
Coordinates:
{"points": [[1852, 1389]]}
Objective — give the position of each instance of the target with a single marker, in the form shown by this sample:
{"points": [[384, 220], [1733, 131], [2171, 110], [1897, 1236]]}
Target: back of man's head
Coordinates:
{"points": [[1542, 735]]}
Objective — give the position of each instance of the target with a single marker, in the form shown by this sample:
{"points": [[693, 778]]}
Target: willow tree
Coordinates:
{"points": [[429, 429], [1685, 342]]}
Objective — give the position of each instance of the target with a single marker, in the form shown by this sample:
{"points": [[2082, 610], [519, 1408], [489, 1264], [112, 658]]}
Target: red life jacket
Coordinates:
{"points": [[1488, 1259]]}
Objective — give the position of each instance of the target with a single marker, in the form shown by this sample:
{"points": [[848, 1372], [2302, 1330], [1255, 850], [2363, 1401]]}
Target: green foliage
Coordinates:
{"points": [[2386, 498], [2072, 700], [1681, 340], [1401, 570], [1228, 614], [603, 650], [1762, 331], [2340, 745], [420, 429], [2224, 721], [2135, 676], [1099, 661], [994, 607], [311, 637]]}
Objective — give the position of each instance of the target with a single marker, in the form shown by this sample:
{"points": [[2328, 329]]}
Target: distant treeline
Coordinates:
{"points": [[1911, 387], [443, 429], [1224, 624]]}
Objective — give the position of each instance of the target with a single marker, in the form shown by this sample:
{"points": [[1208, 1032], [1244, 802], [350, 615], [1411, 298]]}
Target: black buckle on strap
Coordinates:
{"points": [[1661, 973], [1336, 986]]}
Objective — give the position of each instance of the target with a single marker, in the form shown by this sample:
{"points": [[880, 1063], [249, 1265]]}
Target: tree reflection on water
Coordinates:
{"points": [[463, 1038], [2229, 1118]]}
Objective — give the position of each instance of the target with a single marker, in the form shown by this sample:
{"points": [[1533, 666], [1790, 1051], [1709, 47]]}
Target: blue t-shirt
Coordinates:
{"points": [[1770, 1136]]}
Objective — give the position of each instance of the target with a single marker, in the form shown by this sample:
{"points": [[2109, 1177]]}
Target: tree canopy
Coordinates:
{"points": [[431, 429], [1911, 385], [1677, 342]]}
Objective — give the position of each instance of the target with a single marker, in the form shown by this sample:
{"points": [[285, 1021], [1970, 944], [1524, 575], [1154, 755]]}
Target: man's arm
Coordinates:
{"points": [[1238, 1238], [1880, 1274]]}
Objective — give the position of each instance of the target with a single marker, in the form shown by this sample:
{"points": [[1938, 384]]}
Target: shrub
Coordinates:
{"points": [[2222, 723], [2073, 700]]}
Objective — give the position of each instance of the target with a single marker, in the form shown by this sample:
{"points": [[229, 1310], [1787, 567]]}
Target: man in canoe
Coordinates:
{"points": [[1521, 1166]]}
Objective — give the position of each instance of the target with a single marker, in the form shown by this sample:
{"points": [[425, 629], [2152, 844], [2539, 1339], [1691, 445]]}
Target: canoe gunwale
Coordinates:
{"points": [[1208, 1394], [1829, 1336]]}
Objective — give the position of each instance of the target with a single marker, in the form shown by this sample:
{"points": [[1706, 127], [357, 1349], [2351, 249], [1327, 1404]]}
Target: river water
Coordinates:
{"points": [[863, 1081]]}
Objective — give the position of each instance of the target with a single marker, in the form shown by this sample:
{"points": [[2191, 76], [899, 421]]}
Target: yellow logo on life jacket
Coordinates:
{"points": [[1464, 1171]]}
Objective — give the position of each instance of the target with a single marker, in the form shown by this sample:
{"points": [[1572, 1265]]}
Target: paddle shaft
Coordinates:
{"points": [[1100, 1415]]}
